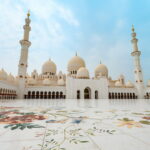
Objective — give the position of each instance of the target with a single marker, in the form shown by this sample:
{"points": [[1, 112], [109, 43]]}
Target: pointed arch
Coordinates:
{"points": [[96, 94], [87, 93]]}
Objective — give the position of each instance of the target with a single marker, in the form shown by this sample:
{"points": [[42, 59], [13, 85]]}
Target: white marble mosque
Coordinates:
{"points": [[76, 84]]}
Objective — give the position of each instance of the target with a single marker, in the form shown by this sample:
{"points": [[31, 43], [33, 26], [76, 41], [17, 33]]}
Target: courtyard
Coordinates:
{"points": [[75, 124]]}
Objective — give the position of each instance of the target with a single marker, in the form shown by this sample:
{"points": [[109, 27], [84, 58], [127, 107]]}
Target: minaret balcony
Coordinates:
{"points": [[25, 43], [27, 28], [134, 40], [136, 53]]}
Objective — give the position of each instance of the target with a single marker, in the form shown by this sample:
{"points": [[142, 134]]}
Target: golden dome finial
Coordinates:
{"points": [[132, 28], [28, 14]]}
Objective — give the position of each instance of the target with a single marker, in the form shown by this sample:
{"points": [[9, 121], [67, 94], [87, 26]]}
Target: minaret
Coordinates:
{"points": [[137, 66], [22, 67]]}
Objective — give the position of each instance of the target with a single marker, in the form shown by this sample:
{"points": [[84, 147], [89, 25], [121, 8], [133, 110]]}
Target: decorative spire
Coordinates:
{"points": [[27, 27], [133, 33], [27, 20], [28, 14], [76, 54], [132, 28]]}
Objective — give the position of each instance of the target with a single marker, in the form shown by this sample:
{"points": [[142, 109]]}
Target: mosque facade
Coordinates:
{"points": [[76, 84]]}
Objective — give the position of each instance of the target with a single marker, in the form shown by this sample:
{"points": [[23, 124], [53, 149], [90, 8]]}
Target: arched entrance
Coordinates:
{"points": [[96, 94], [61, 95], [78, 94], [87, 93], [37, 94]]}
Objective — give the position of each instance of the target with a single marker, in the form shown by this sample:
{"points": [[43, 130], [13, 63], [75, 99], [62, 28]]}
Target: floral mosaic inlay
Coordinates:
{"points": [[40, 128]]}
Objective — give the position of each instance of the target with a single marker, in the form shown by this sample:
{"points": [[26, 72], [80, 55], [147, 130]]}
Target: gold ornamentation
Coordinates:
{"points": [[132, 28], [28, 14]]}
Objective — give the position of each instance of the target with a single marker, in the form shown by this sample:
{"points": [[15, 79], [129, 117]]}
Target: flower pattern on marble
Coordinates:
{"points": [[16, 119], [129, 123], [54, 128]]}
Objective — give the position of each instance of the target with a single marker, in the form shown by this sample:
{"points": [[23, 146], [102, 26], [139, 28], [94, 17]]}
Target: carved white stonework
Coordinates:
{"points": [[51, 84], [137, 66]]}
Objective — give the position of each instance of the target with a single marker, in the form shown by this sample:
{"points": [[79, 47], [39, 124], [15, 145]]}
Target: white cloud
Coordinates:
{"points": [[45, 10], [67, 15], [46, 35]]}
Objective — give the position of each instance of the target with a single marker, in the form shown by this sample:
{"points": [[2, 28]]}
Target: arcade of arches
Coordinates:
{"points": [[11, 94], [122, 96], [7, 94], [87, 95], [44, 95]]}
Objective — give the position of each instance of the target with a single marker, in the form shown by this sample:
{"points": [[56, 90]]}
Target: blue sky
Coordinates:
{"points": [[96, 29]]}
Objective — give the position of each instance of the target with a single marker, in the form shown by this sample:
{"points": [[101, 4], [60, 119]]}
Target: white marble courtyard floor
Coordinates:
{"points": [[75, 125]]}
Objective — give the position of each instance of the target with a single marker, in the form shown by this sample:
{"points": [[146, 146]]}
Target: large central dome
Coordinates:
{"points": [[49, 67], [75, 63]]}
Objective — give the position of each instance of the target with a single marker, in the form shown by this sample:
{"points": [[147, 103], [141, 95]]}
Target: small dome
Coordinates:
{"points": [[121, 79], [118, 84], [49, 67], [11, 78], [60, 73], [3, 75], [148, 83], [31, 81], [129, 84], [46, 82], [75, 63], [121, 76], [101, 70], [34, 74], [83, 73], [61, 82]]}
